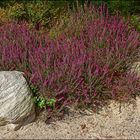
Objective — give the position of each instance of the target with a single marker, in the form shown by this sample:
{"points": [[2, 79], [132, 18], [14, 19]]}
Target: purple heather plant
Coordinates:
{"points": [[84, 70]]}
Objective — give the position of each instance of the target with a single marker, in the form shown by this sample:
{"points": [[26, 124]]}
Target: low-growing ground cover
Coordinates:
{"points": [[84, 69]]}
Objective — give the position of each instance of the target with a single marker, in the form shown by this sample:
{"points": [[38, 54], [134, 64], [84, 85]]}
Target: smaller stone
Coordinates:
{"points": [[136, 68]]}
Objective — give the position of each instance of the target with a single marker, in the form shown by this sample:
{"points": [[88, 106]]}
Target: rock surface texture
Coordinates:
{"points": [[136, 68], [16, 105]]}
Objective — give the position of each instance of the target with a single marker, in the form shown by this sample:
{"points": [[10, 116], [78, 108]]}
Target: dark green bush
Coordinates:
{"points": [[125, 7]]}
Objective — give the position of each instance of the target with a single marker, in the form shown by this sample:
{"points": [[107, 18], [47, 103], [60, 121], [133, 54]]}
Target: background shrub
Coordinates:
{"points": [[135, 19], [3, 16], [45, 14], [38, 13]]}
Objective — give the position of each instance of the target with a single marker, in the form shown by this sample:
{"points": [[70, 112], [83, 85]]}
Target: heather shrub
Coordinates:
{"points": [[86, 70]]}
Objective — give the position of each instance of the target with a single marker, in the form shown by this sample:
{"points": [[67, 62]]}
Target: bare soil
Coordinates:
{"points": [[114, 122]]}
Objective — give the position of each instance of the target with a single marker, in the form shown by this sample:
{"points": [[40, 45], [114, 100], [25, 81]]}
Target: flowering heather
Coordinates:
{"points": [[85, 70]]}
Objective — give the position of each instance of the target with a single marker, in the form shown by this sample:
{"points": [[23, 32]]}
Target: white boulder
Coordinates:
{"points": [[16, 105]]}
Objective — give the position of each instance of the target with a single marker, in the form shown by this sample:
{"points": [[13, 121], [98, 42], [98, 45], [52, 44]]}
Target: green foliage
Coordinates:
{"points": [[45, 13], [36, 12], [5, 3], [34, 89], [41, 102], [17, 11], [119, 6], [124, 7], [42, 12]]}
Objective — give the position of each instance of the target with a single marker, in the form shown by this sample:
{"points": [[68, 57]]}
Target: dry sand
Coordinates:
{"points": [[111, 123]]}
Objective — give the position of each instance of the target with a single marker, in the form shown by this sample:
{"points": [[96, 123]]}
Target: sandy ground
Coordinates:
{"points": [[114, 122]]}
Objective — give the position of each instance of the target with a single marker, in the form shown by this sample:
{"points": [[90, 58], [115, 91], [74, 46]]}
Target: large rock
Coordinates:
{"points": [[16, 105]]}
